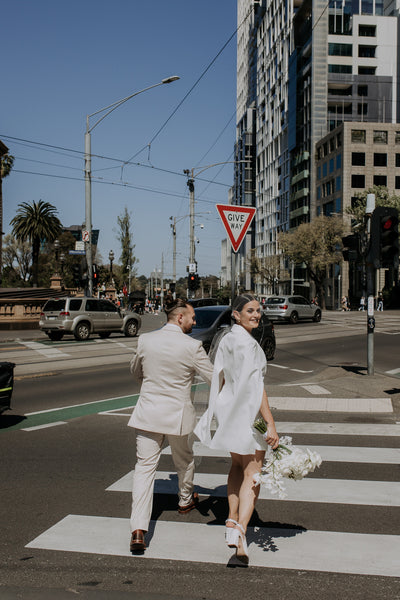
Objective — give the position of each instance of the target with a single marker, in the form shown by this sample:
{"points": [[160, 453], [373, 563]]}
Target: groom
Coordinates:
{"points": [[165, 363]]}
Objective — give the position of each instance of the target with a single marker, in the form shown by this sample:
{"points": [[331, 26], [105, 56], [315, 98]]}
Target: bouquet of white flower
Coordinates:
{"points": [[285, 461]]}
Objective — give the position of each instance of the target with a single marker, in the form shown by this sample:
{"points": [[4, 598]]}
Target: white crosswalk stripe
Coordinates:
{"points": [[269, 547]]}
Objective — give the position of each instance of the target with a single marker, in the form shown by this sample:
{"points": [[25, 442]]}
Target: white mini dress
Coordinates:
{"points": [[235, 396]]}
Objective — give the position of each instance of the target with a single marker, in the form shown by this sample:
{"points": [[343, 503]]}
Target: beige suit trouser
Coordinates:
{"points": [[148, 452]]}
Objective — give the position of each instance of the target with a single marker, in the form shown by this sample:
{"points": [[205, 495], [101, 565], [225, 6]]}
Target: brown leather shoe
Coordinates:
{"points": [[137, 541], [188, 507]]}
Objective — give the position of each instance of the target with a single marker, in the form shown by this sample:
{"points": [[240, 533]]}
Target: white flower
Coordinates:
{"points": [[285, 461]]}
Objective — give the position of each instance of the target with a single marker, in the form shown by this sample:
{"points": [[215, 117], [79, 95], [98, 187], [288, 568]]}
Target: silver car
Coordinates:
{"points": [[291, 308], [83, 316]]}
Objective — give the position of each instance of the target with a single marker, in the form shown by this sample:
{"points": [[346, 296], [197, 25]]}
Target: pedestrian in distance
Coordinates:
{"points": [[362, 303], [237, 398], [165, 363]]}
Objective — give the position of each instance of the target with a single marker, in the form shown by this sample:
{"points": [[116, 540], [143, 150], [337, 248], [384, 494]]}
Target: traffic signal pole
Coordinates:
{"points": [[370, 268]]}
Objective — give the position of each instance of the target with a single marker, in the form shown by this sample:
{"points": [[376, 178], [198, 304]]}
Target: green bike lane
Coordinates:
{"points": [[58, 416]]}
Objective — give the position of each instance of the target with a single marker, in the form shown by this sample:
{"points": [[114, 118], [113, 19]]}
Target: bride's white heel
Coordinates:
{"points": [[231, 534], [242, 552]]}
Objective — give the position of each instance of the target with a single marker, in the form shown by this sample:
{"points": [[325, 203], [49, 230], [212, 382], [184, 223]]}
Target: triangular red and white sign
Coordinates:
{"points": [[236, 220]]}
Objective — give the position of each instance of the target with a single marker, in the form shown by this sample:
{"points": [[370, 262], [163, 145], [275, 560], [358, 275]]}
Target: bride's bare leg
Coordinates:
{"points": [[235, 480], [248, 493]]}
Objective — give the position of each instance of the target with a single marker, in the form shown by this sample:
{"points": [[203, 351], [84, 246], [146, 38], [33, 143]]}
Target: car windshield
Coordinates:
{"points": [[54, 305], [274, 301], [205, 318]]}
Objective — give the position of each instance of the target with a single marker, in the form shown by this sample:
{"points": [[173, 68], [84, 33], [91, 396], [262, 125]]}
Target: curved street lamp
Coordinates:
{"points": [[88, 170]]}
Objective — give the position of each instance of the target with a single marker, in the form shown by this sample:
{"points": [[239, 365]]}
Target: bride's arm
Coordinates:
{"points": [[272, 437]]}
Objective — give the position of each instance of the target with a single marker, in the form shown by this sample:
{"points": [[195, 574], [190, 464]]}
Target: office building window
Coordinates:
{"points": [[366, 70], [358, 136], [367, 30], [340, 69], [380, 160], [367, 7], [319, 172], [338, 206], [340, 49], [338, 183], [339, 161], [397, 182], [319, 192], [324, 169], [366, 51], [362, 109], [397, 160], [331, 165], [397, 137], [358, 159], [380, 180], [362, 90], [358, 181], [380, 137]]}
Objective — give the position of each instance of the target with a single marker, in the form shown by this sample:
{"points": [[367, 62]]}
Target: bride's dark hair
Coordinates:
{"points": [[241, 300]]}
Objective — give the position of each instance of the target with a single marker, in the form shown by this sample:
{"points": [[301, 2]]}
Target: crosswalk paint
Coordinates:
{"points": [[351, 454], [338, 552], [311, 489]]}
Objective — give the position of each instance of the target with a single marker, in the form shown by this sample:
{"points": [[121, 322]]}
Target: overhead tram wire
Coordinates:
{"points": [[137, 164]]}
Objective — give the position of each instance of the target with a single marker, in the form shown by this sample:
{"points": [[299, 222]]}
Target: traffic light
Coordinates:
{"points": [[193, 281], [77, 274], [384, 246], [351, 247], [95, 276]]}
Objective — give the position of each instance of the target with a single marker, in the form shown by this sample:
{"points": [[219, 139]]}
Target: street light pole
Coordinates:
{"points": [[88, 170]]}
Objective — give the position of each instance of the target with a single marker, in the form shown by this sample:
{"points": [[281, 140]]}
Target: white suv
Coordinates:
{"points": [[291, 308], [83, 316]]}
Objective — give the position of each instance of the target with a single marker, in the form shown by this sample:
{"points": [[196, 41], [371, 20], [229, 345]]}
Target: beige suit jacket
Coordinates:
{"points": [[166, 362]]}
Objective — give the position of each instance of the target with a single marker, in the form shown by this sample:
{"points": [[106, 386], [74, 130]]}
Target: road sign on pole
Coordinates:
{"points": [[236, 220]]}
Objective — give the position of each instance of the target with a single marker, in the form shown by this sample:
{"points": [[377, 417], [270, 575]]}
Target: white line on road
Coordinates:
{"points": [[350, 454], [315, 389], [336, 491], [44, 426], [45, 350], [327, 551]]}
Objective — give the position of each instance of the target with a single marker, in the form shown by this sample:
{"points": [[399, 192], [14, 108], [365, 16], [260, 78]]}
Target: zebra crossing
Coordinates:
{"points": [[199, 536]]}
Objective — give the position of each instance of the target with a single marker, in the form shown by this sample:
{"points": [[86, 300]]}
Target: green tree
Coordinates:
{"points": [[317, 245], [36, 223], [16, 262], [382, 198], [6, 164], [124, 236]]}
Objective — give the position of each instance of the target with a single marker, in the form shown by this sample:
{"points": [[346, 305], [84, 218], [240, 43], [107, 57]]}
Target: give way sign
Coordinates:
{"points": [[236, 220]]}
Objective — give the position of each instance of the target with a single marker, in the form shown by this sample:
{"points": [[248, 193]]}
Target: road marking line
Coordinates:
{"points": [[350, 454], [315, 389], [335, 491], [367, 429], [357, 405], [300, 549], [47, 352], [44, 426], [393, 372]]}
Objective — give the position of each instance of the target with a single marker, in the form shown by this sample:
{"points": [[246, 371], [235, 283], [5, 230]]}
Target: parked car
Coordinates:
{"points": [[83, 316], [212, 320], [197, 302], [291, 308]]}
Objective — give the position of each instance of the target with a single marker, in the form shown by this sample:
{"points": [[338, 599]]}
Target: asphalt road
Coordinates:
{"points": [[65, 482]]}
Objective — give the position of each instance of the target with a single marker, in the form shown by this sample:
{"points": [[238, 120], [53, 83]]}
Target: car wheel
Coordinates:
{"points": [[294, 317], [105, 334], [55, 336], [82, 331], [317, 316], [131, 328], [269, 348]]}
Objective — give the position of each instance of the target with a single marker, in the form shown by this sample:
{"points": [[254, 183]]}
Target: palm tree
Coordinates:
{"points": [[6, 164], [35, 223]]}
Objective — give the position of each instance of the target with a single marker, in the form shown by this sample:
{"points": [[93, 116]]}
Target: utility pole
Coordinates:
{"points": [[190, 184], [370, 275], [173, 225], [162, 282]]}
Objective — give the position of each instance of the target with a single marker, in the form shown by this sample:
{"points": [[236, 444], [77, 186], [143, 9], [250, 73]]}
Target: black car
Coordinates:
{"points": [[211, 320]]}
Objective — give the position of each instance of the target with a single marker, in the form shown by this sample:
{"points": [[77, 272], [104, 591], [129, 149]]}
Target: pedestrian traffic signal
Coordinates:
{"points": [[193, 281], [351, 247], [384, 243]]}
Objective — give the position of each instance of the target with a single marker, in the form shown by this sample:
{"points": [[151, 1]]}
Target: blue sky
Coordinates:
{"points": [[64, 60]]}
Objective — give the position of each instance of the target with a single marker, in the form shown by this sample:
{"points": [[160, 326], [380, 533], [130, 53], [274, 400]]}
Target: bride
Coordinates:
{"points": [[237, 398]]}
